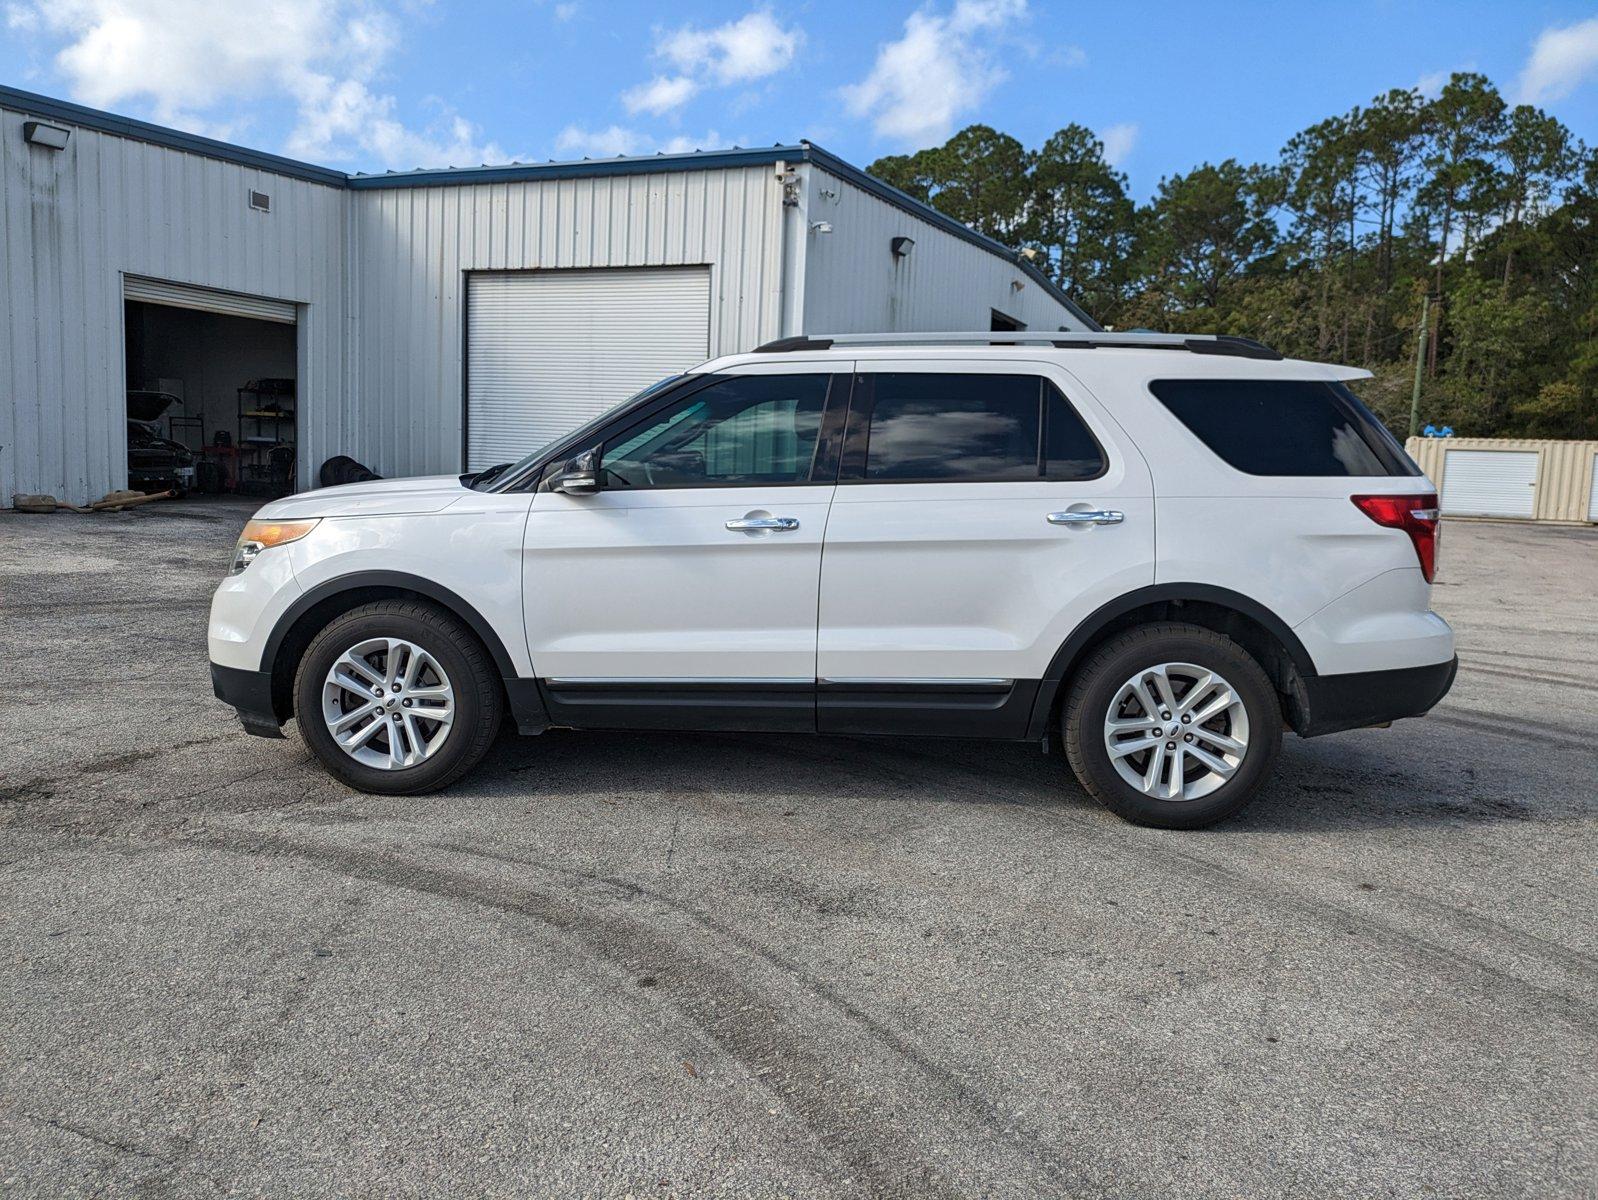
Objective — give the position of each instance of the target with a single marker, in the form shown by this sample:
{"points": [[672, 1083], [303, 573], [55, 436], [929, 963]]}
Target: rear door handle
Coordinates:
{"points": [[763, 524], [1097, 516]]}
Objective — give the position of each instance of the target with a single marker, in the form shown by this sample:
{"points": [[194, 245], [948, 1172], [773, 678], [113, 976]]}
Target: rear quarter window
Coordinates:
{"points": [[1285, 426]]}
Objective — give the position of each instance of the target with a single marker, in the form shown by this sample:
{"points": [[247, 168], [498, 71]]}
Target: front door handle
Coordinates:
{"points": [[1097, 516], [763, 524]]}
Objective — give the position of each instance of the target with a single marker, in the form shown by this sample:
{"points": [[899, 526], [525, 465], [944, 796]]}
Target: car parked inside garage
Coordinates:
{"points": [[155, 461]]}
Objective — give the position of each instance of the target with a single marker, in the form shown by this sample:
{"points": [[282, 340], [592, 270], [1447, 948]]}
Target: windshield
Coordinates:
{"points": [[501, 477]]}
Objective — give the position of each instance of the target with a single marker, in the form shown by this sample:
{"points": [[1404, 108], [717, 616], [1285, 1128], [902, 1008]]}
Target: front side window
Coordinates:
{"points": [[749, 430], [1302, 427], [927, 428]]}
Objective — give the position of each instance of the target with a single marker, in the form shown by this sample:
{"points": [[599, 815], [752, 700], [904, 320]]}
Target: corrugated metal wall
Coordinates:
{"points": [[1565, 470], [854, 284], [72, 221], [414, 245]]}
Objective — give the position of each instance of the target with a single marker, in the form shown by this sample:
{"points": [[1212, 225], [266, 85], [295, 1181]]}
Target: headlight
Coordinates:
{"points": [[260, 535]]}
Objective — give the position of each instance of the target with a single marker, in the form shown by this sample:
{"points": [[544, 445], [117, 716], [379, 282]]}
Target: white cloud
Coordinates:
{"points": [[752, 47], [188, 58], [23, 18], [683, 144], [565, 12], [661, 94], [1561, 60], [1432, 83], [576, 141], [1118, 142], [937, 72]]}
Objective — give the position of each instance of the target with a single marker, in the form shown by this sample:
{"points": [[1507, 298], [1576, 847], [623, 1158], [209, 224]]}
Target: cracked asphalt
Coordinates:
{"points": [[668, 965]]}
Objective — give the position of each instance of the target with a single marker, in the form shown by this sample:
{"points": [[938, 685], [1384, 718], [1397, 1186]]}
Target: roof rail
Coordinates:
{"points": [[1194, 343]]}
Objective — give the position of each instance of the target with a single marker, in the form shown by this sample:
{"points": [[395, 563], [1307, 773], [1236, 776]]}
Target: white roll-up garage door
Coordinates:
{"points": [[548, 350], [1592, 495], [1489, 483], [230, 304]]}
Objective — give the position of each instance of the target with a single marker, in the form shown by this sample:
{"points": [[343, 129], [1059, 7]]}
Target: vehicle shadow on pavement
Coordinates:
{"points": [[1364, 780]]}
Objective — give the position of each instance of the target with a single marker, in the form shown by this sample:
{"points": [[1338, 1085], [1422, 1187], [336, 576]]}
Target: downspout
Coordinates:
{"points": [[793, 180]]}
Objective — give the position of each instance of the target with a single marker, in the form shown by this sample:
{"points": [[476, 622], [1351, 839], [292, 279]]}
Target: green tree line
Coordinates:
{"points": [[1489, 210]]}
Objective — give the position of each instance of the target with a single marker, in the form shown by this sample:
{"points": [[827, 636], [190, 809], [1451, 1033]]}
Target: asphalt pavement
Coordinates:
{"points": [[724, 965]]}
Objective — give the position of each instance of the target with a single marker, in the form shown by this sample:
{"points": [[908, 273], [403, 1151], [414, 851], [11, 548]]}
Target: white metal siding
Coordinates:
{"points": [[854, 284], [1489, 483], [413, 248], [1592, 491], [548, 350], [377, 279], [231, 304], [73, 221]]}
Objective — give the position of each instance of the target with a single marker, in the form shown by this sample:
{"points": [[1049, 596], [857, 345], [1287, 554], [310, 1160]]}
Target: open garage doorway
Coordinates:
{"points": [[212, 393]]}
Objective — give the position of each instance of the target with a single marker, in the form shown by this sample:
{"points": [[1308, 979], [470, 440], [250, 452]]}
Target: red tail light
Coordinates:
{"points": [[1416, 515]]}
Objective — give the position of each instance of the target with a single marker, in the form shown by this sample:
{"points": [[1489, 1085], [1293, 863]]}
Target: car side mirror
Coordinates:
{"points": [[578, 476]]}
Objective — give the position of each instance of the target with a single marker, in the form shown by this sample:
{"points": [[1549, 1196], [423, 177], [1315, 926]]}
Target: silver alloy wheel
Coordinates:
{"points": [[1176, 731], [388, 704]]}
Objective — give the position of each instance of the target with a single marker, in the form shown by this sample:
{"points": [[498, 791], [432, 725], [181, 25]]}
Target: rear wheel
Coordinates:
{"points": [[1172, 725], [397, 697]]}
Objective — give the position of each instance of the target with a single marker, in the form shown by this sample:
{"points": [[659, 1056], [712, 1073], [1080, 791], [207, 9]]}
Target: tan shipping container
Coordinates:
{"points": [[1562, 485]]}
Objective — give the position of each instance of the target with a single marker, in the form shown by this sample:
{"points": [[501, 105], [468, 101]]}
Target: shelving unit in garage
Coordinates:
{"points": [[266, 409]]}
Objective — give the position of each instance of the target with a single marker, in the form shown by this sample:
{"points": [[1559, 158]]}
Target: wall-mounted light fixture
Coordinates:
{"points": [[901, 246], [51, 137]]}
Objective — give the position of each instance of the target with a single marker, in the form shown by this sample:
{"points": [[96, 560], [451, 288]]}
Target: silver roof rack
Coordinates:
{"points": [[1195, 343]]}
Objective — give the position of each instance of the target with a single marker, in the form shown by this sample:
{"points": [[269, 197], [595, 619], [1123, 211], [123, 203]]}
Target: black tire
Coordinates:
{"points": [[479, 699], [1094, 688]]}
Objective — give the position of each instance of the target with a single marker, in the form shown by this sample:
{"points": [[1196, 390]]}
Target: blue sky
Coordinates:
{"points": [[375, 84]]}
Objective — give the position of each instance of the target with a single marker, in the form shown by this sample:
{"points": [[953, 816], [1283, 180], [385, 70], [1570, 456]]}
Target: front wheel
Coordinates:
{"points": [[397, 697], [1172, 725]]}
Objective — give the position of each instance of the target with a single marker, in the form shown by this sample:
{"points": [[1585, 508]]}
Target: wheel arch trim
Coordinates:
{"points": [[1070, 652], [399, 581]]}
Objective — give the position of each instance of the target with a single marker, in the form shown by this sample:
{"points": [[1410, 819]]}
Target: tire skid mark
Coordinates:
{"points": [[1474, 667], [852, 1121], [1511, 730], [107, 764], [1514, 656], [1401, 946]]}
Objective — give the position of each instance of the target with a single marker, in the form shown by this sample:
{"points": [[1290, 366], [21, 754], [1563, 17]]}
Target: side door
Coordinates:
{"points": [[683, 593], [983, 510]]}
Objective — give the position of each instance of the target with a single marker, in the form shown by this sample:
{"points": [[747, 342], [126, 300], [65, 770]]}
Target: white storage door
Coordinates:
{"points": [[1592, 494], [1489, 483], [548, 350]]}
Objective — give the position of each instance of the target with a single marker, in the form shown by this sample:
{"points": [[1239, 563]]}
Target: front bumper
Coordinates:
{"points": [[250, 694], [1332, 703]]}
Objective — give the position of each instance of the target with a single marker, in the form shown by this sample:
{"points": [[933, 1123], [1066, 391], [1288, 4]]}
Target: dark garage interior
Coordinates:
{"points": [[212, 393]]}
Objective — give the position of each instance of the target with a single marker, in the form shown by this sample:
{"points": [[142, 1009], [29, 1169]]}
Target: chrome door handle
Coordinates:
{"points": [[1097, 516], [760, 524]]}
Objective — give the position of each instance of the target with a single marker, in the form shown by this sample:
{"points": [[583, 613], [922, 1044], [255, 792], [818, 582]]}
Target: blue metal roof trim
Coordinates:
{"points": [[35, 105], [587, 168]]}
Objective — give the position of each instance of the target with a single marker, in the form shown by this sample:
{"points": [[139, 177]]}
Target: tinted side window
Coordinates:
{"points": [[756, 429], [931, 428], [1285, 426]]}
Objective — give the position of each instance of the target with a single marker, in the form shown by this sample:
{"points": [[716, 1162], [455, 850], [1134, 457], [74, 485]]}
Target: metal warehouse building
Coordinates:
{"points": [[424, 321]]}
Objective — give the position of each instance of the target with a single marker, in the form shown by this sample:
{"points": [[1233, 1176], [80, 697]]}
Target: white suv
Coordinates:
{"points": [[1160, 550]]}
